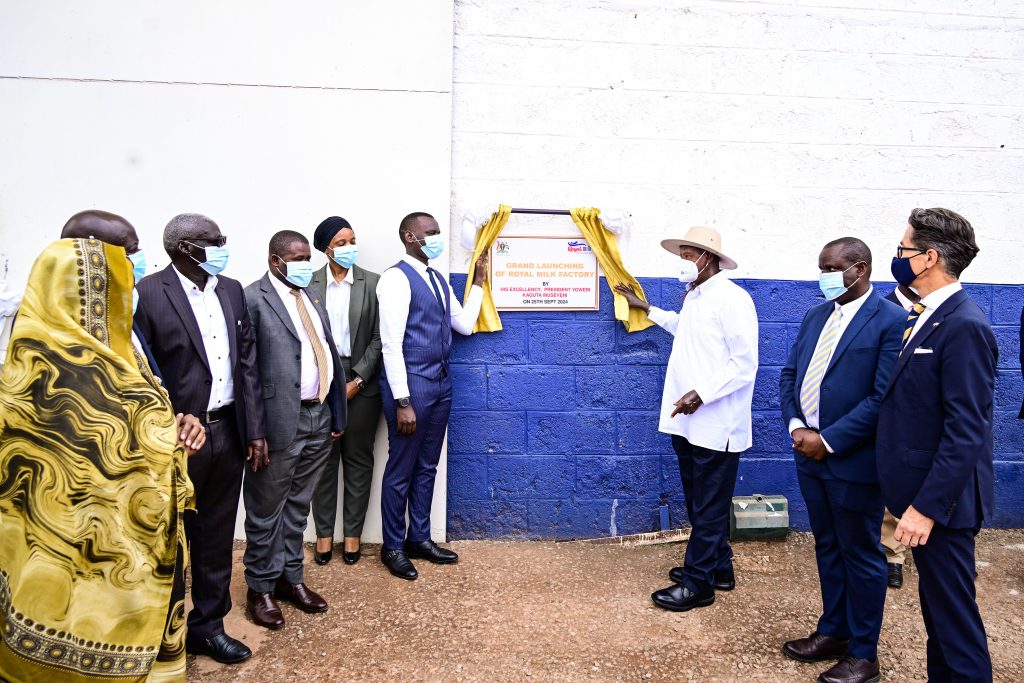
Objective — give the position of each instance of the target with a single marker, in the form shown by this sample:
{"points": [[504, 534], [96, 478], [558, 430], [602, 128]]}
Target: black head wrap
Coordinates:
{"points": [[326, 231]]}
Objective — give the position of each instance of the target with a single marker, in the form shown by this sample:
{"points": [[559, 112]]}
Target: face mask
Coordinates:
{"points": [[138, 260], [903, 272], [216, 259], [689, 273], [345, 256], [433, 245], [832, 286], [299, 273]]}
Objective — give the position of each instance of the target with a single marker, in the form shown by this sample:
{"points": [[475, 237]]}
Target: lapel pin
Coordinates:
{"points": [[936, 324]]}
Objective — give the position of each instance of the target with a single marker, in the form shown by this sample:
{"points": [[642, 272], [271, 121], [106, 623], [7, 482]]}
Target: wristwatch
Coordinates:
{"points": [[403, 402], [360, 383]]}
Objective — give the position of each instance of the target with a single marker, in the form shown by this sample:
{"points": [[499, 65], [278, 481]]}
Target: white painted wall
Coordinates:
{"points": [[783, 124], [262, 115]]}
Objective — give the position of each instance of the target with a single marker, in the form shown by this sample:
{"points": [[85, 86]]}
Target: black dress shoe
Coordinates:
{"points": [[430, 551], [815, 648], [398, 564], [322, 558], [895, 575], [724, 581], [301, 596], [679, 598], [220, 647], [263, 610], [852, 670], [351, 558]]}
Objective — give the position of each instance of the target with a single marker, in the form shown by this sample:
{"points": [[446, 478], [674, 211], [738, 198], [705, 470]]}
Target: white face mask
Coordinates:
{"points": [[688, 271]]}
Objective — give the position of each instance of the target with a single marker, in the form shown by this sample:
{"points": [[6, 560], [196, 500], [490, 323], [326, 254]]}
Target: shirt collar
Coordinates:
{"points": [[190, 287], [850, 308], [415, 263], [708, 285], [904, 301], [939, 296], [349, 279], [282, 289]]}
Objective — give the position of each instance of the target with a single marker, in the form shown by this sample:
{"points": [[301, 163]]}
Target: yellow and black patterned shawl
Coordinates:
{"points": [[92, 483]]}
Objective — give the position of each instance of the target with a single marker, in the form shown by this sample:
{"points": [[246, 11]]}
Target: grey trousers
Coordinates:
{"points": [[354, 453], [277, 502]]}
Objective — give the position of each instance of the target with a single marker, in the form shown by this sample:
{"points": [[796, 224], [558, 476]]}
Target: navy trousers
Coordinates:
{"points": [[412, 460], [957, 644], [846, 519], [709, 478]]}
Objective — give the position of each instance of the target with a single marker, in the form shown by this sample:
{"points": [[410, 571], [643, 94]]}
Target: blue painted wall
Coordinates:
{"points": [[554, 434]]}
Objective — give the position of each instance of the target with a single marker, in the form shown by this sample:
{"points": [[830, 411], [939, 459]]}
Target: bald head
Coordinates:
{"points": [[104, 226]]}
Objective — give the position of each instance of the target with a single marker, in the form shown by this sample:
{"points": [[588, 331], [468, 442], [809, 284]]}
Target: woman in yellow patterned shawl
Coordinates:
{"points": [[92, 484]]}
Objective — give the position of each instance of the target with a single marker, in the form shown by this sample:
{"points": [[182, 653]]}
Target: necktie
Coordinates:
{"points": [[809, 391], [915, 313], [319, 356], [433, 283]]}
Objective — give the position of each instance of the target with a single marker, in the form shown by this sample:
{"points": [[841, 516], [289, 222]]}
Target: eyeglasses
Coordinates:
{"points": [[900, 249], [218, 242]]}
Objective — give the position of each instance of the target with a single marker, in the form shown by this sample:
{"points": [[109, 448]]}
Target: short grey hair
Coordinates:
{"points": [[183, 227]]}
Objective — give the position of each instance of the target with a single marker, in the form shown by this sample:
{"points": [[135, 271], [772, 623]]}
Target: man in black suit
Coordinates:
{"points": [[200, 332], [935, 439]]}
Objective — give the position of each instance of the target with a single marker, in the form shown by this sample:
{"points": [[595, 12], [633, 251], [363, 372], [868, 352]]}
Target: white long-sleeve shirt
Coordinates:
{"points": [[213, 328], [715, 354], [394, 297]]}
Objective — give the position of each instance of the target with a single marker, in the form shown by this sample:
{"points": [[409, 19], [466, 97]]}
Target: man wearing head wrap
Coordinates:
{"points": [[350, 295]]}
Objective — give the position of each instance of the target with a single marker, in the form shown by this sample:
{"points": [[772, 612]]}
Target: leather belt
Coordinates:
{"points": [[311, 403], [217, 414]]}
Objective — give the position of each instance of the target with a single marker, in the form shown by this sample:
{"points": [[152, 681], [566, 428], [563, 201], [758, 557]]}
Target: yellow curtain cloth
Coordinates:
{"points": [[602, 241], [93, 484], [605, 247], [489, 321]]}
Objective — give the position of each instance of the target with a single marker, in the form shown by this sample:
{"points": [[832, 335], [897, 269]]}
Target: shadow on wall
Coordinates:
{"points": [[553, 433]]}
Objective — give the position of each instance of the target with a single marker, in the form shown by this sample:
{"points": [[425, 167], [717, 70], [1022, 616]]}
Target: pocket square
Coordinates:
{"points": [[917, 351]]}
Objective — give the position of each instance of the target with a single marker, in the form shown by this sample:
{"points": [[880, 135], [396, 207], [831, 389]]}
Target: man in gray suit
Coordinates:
{"points": [[350, 296], [305, 413]]}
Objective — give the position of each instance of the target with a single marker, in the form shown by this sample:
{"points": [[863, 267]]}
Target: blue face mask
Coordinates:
{"points": [[433, 246], [902, 271], [216, 259], [299, 273], [345, 256], [138, 260], [832, 285]]}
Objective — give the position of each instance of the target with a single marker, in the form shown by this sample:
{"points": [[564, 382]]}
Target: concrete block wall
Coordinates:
{"points": [[554, 434]]}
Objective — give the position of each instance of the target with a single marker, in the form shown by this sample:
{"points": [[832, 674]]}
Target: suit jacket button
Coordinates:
{"points": [[297, 385], [298, 356], [208, 382]]}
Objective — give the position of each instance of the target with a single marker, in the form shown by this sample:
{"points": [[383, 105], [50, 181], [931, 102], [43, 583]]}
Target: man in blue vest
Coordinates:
{"points": [[418, 312]]}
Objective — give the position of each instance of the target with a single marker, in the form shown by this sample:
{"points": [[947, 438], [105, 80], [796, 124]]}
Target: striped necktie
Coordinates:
{"points": [[915, 313], [319, 356], [810, 394]]}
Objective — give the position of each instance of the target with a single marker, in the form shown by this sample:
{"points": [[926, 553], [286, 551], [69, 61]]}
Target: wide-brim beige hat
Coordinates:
{"points": [[704, 238]]}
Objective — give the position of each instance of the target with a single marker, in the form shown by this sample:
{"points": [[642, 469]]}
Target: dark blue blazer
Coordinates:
{"points": [[935, 421], [146, 350], [852, 386]]}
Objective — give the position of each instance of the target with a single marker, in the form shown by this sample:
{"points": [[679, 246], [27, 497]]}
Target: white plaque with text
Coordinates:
{"points": [[543, 273]]}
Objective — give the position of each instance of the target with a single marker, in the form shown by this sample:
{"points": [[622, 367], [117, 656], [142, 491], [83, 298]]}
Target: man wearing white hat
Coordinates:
{"points": [[709, 386]]}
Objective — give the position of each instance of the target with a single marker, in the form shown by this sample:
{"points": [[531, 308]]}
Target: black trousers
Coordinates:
{"points": [[216, 473], [709, 478]]}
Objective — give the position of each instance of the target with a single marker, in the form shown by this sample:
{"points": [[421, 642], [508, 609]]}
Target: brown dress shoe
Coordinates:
{"points": [[852, 670], [815, 648], [300, 596], [263, 610]]}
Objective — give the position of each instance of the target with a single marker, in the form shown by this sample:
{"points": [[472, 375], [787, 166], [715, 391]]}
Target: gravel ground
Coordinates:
{"points": [[532, 611]]}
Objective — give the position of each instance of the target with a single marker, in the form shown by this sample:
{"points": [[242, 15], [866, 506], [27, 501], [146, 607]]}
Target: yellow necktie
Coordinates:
{"points": [[809, 392], [915, 313], [314, 340]]}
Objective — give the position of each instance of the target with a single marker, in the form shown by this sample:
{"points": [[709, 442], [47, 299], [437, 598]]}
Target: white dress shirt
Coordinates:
{"points": [[339, 297], [715, 354], [847, 312], [931, 302], [309, 382], [906, 303], [213, 327], [394, 296]]}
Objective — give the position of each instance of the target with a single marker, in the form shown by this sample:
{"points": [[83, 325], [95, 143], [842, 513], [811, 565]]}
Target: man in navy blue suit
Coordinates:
{"points": [[935, 439], [830, 391]]}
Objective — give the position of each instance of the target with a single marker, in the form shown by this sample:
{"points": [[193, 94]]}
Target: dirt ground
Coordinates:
{"points": [[531, 611]]}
